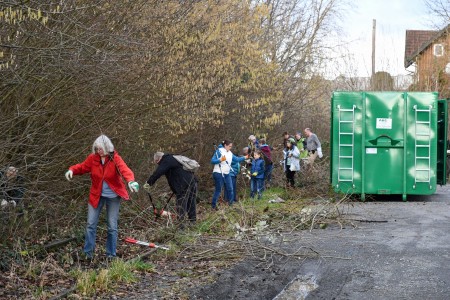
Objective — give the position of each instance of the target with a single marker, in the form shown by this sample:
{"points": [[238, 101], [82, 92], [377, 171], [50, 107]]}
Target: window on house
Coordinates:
{"points": [[438, 50]]}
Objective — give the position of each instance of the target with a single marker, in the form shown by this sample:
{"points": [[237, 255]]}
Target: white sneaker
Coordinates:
{"points": [[4, 203]]}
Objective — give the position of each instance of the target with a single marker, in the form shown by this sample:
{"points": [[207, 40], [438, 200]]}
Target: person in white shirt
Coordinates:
{"points": [[222, 159]]}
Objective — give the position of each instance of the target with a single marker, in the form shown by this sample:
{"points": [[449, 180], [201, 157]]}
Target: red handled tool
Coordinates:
{"points": [[162, 212], [151, 245]]}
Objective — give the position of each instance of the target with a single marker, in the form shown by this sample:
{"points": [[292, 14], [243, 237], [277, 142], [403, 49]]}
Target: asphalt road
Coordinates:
{"points": [[405, 256], [397, 250]]}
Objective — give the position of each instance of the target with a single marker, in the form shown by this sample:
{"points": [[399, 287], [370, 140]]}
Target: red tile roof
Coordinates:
{"points": [[415, 41]]}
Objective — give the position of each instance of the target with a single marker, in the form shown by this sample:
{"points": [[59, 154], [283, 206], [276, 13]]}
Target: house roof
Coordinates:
{"points": [[417, 41]]}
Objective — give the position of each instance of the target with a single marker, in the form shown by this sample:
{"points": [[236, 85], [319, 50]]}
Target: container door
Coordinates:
{"points": [[346, 141], [384, 143], [442, 143], [421, 143]]}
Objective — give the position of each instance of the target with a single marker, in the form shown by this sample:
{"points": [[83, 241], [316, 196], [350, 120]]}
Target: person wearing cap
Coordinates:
{"points": [[108, 171], [313, 146], [291, 161], [11, 188], [182, 183]]}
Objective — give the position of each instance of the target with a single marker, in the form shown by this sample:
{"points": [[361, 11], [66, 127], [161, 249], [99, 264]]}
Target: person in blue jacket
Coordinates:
{"points": [[257, 171], [222, 160], [235, 170]]}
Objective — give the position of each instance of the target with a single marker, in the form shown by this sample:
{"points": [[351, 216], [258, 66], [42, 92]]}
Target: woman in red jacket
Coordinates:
{"points": [[107, 169]]}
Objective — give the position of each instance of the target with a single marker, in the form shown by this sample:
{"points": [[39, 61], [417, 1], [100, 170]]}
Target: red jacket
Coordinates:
{"points": [[107, 172]]}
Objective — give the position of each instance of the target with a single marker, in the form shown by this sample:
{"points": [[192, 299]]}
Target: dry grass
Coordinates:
{"points": [[255, 229]]}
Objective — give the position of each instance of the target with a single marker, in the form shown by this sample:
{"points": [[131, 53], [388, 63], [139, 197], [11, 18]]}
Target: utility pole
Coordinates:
{"points": [[374, 29]]}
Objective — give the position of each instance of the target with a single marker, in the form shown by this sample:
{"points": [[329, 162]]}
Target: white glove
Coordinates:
{"points": [[133, 186], [4, 203], [319, 152], [13, 203], [69, 174]]}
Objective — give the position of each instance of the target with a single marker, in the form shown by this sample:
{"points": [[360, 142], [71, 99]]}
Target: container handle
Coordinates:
{"points": [[375, 141]]}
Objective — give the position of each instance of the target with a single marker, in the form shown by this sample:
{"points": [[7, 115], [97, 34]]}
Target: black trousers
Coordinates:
{"points": [[290, 177], [186, 202]]}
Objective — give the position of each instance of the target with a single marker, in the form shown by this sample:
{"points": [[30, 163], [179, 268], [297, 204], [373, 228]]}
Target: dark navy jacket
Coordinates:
{"points": [[11, 189], [258, 166], [178, 178]]}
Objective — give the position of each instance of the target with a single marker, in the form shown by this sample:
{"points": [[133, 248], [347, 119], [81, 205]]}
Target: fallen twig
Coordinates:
{"points": [[57, 244], [65, 293], [369, 221]]}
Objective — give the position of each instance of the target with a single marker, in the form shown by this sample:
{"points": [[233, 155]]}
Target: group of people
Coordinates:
{"points": [[296, 149], [258, 163], [109, 173]]}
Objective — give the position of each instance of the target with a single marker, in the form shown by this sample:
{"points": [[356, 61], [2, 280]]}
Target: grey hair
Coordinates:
{"points": [[103, 142], [157, 156], [11, 172]]}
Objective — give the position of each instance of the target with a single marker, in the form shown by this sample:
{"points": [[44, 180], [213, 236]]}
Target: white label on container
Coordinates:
{"points": [[371, 150], [384, 123]]}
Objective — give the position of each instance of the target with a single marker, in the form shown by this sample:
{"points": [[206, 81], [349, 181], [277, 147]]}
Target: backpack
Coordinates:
{"points": [[187, 163]]}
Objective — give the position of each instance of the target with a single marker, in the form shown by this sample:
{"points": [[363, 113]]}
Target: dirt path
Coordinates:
{"points": [[398, 250]]}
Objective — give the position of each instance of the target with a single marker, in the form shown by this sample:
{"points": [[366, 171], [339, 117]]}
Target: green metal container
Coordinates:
{"points": [[388, 142]]}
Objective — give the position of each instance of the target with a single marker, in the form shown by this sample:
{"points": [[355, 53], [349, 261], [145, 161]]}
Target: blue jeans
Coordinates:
{"points": [[221, 180], [112, 216], [268, 174], [234, 185], [256, 187]]}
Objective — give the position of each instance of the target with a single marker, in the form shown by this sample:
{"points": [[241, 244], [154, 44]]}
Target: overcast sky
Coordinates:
{"points": [[393, 18]]}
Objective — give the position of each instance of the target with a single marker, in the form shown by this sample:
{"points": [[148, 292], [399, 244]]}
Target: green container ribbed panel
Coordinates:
{"points": [[384, 142]]}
